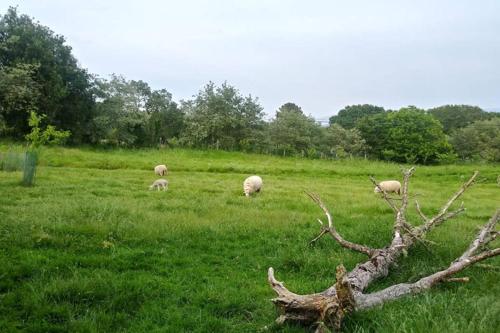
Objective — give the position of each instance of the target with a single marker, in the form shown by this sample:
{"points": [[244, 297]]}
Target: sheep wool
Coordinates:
{"points": [[389, 186], [159, 184], [251, 185], [161, 170]]}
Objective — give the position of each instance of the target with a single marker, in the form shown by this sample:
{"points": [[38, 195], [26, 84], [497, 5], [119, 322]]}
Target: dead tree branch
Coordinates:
{"points": [[442, 215], [328, 308], [330, 229], [419, 211], [384, 195], [468, 258]]}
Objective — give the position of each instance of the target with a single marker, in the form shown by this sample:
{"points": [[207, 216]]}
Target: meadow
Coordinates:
{"points": [[90, 249]]}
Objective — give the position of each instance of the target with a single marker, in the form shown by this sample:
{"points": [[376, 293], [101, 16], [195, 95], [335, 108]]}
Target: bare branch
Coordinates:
{"points": [[458, 279], [402, 289], [467, 259], [328, 308], [485, 255], [486, 266], [333, 232], [323, 231], [483, 238], [419, 211], [442, 215], [406, 181], [384, 195], [277, 286], [400, 222]]}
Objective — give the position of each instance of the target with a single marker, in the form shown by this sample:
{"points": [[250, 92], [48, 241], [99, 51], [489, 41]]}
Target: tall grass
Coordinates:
{"points": [[90, 249], [11, 161]]}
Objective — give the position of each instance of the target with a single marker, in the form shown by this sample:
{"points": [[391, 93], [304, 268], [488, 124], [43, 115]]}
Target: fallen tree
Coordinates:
{"points": [[327, 309]]}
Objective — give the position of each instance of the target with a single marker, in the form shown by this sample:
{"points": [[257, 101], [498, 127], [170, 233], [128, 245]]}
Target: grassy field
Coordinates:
{"points": [[90, 249]]}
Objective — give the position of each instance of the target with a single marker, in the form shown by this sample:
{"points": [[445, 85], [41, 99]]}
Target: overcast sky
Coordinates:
{"points": [[321, 55]]}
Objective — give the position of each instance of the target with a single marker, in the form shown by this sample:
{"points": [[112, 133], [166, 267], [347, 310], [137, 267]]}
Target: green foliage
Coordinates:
{"points": [[166, 121], [41, 75], [221, 118], [291, 132], [351, 114], [47, 136], [90, 249], [454, 117], [38, 73], [408, 135], [479, 140], [345, 142], [11, 161], [19, 95], [130, 113]]}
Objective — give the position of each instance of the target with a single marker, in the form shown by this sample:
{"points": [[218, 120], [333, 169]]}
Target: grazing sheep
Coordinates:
{"points": [[161, 170], [159, 183], [252, 184], [389, 186]]}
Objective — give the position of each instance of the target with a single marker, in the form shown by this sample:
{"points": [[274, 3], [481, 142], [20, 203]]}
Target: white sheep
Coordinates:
{"points": [[251, 185], [161, 170], [159, 183], [389, 186]]}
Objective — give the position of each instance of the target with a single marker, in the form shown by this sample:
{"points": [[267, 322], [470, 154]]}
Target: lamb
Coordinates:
{"points": [[389, 186], [251, 185], [159, 183], [161, 170]]}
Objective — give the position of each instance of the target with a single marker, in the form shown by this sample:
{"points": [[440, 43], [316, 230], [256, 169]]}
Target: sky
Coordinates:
{"points": [[321, 55]]}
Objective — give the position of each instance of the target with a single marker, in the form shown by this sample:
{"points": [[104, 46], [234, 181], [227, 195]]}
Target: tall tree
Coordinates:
{"points": [[343, 142], [349, 116], [165, 119], [454, 117], [19, 95], [220, 117], [64, 88], [292, 132], [479, 140], [408, 135], [129, 112]]}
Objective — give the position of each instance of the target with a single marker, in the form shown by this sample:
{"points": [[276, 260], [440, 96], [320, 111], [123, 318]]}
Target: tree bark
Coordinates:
{"points": [[327, 309]]}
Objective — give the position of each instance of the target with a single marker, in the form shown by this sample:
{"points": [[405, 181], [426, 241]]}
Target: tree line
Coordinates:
{"points": [[38, 73]]}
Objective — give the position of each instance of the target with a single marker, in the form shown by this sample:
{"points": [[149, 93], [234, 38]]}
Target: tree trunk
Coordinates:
{"points": [[327, 309]]}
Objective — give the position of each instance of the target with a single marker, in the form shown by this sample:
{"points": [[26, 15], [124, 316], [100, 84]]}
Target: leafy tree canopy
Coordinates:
{"points": [[345, 142], [293, 132], [349, 116], [479, 140], [131, 113], [221, 117], [454, 117], [33, 58], [44, 136], [408, 135]]}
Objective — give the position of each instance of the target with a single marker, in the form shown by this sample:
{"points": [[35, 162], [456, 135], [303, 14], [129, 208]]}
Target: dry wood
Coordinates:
{"points": [[330, 229], [328, 308]]}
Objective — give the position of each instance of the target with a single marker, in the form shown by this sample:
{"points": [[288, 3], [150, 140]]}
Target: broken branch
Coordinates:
{"points": [[384, 195], [442, 216], [333, 232]]}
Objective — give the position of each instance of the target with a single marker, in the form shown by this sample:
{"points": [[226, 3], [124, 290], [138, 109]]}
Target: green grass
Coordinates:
{"points": [[90, 249]]}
